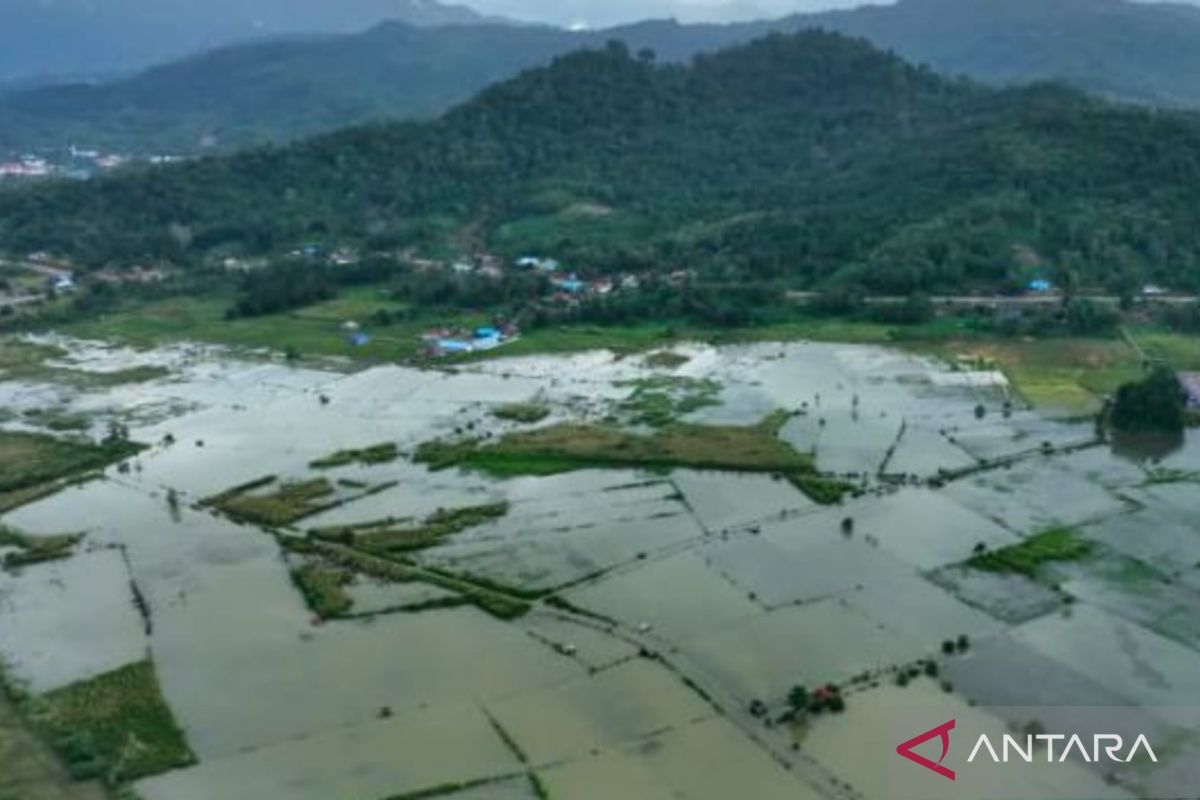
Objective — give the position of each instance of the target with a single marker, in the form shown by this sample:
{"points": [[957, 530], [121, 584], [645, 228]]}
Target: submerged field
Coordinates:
{"points": [[575, 576], [1063, 375]]}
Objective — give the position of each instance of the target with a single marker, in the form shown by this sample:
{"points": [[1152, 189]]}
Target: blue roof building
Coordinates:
{"points": [[454, 346], [1040, 285]]}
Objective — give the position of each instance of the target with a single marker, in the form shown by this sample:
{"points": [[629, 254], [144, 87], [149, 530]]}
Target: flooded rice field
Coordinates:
{"points": [[328, 619]]}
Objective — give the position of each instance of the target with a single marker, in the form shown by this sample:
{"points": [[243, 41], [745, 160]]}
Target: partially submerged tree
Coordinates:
{"points": [[1152, 405]]}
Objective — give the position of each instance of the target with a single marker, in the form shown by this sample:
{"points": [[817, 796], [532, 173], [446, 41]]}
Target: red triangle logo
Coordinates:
{"points": [[941, 731]]}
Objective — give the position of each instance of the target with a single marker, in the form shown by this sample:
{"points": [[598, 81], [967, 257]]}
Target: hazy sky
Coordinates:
{"points": [[607, 12]]}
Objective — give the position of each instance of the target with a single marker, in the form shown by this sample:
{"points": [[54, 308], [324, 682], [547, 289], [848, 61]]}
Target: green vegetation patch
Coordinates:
{"points": [[1055, 544], [58, 420], [393, 535], [378, 454], [502, 602], [661, 400], [36, 549], [665, 359], [33, 465], [822, 489], [289, 502], [324, 589], [116, 726], [527, 413], [570, 447], [26, 361]]}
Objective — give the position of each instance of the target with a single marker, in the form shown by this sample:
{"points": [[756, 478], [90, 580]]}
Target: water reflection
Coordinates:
{"points": [[1147, 447]]}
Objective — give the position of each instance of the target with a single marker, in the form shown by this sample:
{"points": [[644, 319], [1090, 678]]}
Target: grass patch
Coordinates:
{"points": [[289, 503], [33, 466], [1055, 544], [58, 421], [36, 549], [527, 413], [820, 489], [395, 536], [501, 602], [324, 589], [26, 361], [116, 726], [570, 447], [379, 454], [1073, 375], [665, 359], [661, 400], [1174, 349], [312, 331]]}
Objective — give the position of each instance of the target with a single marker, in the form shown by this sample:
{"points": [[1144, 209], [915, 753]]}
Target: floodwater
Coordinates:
{"points": [[686, 595]]}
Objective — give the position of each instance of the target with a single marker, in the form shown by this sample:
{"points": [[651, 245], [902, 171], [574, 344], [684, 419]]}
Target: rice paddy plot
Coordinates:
{"points": [[69, 620], [582, 505], [594, 712], [722, 500], [763, 657], [922, 527], [1122, 656], [594, 648], [1004, 672], [677, 597], [230, 695], [776, 574], [920, 611], [1037, 493], [1008, 597], [376, 597], [679, 763], [409, 753], [556, 559], [845, 442], [1134, 591], [924, 453], [1157, 534], [996, 437]]}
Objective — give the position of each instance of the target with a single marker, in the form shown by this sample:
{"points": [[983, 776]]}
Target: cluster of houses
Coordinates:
{"points": [[76, 163], [441, 342], [568, 286], [26, 167]]}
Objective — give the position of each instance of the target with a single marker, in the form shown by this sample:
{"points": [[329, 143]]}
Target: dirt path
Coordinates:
{"points": [[29, 770]]}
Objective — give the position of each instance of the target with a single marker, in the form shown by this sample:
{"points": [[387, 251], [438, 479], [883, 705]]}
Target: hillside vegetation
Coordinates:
{"points": [[809, 159]]}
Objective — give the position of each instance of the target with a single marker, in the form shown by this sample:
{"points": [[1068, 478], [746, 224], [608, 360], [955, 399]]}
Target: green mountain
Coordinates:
{"points": [[288, 89], [810, 159]]}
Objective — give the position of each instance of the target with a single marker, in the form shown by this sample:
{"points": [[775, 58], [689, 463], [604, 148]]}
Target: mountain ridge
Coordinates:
{"points": [[284, 90]]}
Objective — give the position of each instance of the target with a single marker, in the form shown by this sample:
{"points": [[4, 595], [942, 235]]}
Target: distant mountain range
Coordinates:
{"points": [[811, 159], [287, 89], [87, 39]]}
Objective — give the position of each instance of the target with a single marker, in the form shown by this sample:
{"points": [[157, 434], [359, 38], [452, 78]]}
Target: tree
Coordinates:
{"points": [[1152, 405], [798, 698]]}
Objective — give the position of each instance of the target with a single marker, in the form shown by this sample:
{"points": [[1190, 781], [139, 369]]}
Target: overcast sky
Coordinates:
{"points": [[608, 12]]}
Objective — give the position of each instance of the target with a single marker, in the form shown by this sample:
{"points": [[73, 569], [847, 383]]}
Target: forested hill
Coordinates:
{"points": [[812, 159], [286, 89]]}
